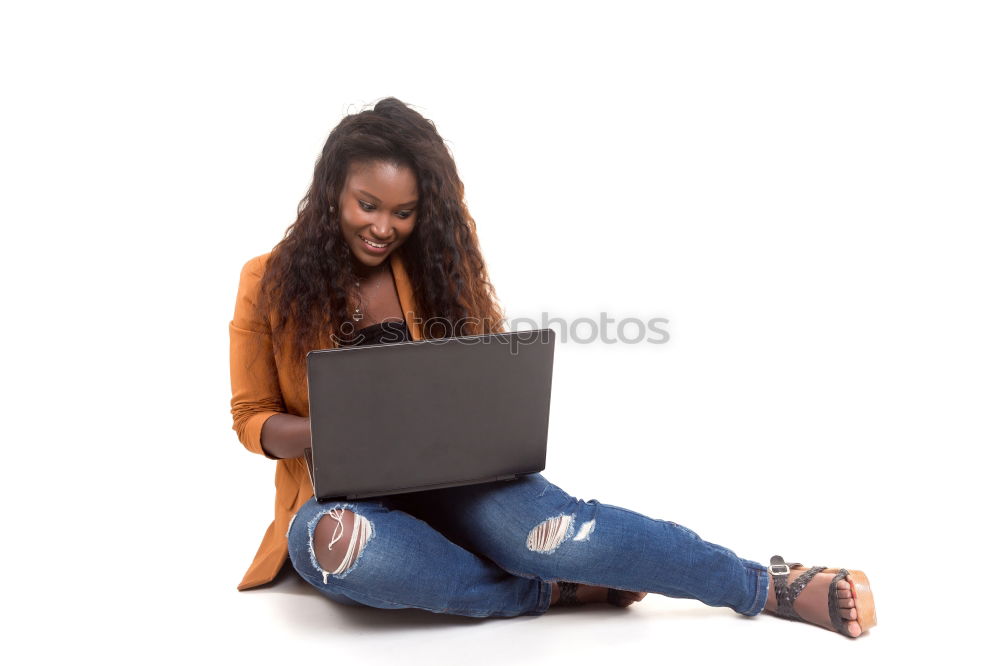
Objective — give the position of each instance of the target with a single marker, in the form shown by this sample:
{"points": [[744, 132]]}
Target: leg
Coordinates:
{"points": [[532, 528], [370, 553], [339, 553]]}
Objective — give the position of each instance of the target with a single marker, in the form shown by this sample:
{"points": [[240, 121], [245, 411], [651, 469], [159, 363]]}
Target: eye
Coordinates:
{"points": [[403, 214]]}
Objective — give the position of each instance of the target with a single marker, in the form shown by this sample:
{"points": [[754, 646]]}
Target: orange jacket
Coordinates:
{"points": [[262, 387]]}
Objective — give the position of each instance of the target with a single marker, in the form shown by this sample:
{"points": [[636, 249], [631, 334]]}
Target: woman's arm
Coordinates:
{"points": [[286, 436], [256, 391]]}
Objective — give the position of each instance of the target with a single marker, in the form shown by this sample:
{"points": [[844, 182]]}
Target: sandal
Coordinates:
{"points": [[785, 594], [567, 595]]}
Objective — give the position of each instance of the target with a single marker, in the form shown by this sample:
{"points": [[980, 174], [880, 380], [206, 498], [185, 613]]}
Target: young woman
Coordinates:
{"points": [[384, 249]]}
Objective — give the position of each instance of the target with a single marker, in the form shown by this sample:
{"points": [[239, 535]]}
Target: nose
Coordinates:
{"points": [[381, 229]]}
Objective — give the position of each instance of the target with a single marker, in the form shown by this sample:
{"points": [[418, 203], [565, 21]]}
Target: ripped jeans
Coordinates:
{"points": [[492, 549]]}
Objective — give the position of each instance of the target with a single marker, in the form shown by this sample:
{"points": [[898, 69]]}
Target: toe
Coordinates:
{"points": [[849, 613], [628, 597], [854, 629], [845, 594], [847, 603], [633, 596]]}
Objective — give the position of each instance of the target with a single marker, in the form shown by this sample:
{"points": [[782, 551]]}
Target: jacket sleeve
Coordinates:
{"points": [[252, 369]]}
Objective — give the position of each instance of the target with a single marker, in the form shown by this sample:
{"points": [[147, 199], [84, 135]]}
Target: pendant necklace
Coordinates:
{"points": [[358, 315]]}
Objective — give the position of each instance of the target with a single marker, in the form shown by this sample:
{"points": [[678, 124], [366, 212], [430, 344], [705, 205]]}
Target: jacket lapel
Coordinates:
{"points": [[405, 291]]}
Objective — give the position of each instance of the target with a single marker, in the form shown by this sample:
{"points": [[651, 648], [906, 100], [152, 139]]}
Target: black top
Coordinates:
{"points": [[377, 334]]}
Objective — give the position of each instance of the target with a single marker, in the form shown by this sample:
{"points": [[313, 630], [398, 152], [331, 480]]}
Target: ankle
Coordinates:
{"points": [[771, 603]]}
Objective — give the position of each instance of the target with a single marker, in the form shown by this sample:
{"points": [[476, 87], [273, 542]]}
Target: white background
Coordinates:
{"points": [[807, 191]]}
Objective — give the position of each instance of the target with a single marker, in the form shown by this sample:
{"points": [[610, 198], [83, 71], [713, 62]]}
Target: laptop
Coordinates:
{"points": [[418, 415]]}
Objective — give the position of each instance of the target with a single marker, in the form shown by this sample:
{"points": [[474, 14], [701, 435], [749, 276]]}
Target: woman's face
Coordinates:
{"points": [[378, 210]]}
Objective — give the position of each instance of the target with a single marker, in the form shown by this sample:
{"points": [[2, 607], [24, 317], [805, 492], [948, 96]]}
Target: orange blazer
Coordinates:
{"points": [[262, 387]]}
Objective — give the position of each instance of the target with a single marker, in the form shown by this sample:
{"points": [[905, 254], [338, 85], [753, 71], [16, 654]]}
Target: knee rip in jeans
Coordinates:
{"points": [[334, 553], [548, 535]]}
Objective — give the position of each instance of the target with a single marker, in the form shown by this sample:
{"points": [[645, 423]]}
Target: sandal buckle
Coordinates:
{"points": [[776, 569]]}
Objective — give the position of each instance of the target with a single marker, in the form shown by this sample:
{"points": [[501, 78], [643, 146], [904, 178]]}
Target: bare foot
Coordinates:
{"points": [[813, 604], [579, 593]]}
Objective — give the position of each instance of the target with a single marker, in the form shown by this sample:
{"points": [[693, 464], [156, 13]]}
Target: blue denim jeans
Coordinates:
{"points": [[492, 549]]}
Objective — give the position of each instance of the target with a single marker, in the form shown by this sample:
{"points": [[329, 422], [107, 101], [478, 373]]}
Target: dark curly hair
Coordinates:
{"points": [[305, 286]]}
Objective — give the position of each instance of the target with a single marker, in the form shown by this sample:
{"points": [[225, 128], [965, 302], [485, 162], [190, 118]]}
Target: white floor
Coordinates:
{"points": [[154, 580], [289, 621]]}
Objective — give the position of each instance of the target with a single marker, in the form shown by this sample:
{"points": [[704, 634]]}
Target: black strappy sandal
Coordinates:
{"points": [[785, 593], [567, 596]]}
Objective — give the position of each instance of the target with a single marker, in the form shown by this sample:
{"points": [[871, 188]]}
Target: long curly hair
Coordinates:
{"points": [[304, 291]]}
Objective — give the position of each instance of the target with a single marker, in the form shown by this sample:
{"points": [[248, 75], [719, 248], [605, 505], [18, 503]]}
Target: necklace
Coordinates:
{"points": [[358, 315]]}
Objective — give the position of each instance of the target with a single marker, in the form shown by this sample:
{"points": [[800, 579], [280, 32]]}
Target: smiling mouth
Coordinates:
{"points": [[373, 243]]}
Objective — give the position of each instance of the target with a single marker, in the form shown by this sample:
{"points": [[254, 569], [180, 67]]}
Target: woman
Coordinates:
{"points": [[384, 249]]}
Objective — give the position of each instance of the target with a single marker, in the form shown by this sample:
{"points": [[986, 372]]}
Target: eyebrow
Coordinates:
{"points": [[377, 200]]}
